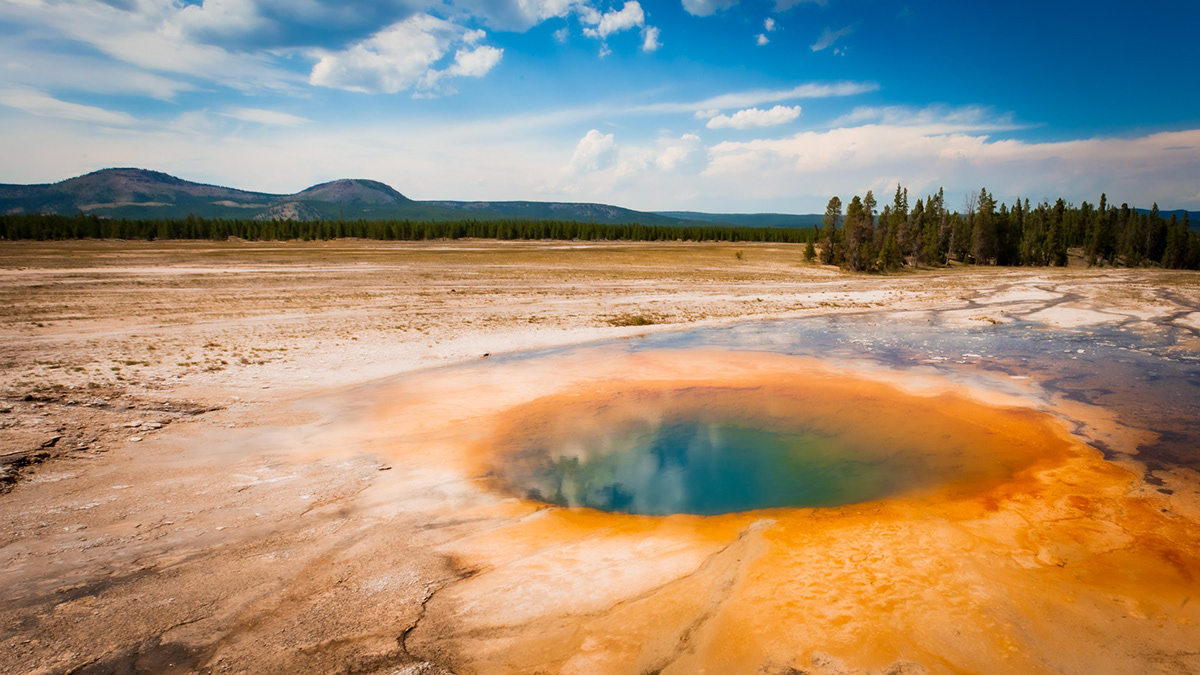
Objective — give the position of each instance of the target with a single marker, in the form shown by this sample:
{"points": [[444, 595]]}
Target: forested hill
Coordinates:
{"points": [[1192, 216], [750, 219], [133, 203], [138, 194], [578, 212]]}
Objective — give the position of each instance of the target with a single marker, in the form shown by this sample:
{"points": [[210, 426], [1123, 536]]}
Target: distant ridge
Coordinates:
{"points": [[581, 212], [751, 219], [140, 194]]}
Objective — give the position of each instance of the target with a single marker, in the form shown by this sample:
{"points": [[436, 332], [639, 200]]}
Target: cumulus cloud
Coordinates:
{"points": [[685, 154], [753, 118], [1141, 170], [600, 169], [607, 23], [600, 25], [404, 56], [769, 24], [829, 36], [650, 41], [475, 62], [243, 44], [594, 152], [707, 7], [447, 159], [761, 40]]}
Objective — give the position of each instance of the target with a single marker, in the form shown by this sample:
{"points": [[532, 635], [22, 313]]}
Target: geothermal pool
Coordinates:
{"points": [[871, 493], [764, 442]]}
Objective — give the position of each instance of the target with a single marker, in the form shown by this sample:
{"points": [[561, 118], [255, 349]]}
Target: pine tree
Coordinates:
{"points": [[983, 232], [889, 254], [858, 235], [830, 253], [1056, 239], [914, 245]]}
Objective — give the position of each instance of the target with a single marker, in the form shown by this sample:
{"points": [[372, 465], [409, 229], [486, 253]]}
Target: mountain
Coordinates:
{"points": [[750, 219], [141, 194], [584, 213], [113, 191], [1193, 216]]}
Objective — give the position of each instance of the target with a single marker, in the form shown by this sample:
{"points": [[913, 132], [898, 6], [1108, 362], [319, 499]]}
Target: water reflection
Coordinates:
{"points": [[1148, 378], [768, 440], [709, 467]]}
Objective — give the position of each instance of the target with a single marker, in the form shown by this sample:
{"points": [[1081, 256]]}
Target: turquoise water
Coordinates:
{"points": [[1145, 377], [706, 467]]}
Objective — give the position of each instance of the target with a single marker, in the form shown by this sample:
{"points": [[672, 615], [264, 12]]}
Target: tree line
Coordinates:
{"points": [[863, 238], [51, 227], [989, 232]]}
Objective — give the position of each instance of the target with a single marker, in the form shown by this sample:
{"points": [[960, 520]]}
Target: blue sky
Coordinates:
{"points": [[715, 105]]}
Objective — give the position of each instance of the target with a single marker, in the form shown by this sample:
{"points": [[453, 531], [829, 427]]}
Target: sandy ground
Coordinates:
{"points": [[206, 469]]}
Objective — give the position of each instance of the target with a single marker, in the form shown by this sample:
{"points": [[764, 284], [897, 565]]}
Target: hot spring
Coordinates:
{"points": [[815, 440], [774, 498]]}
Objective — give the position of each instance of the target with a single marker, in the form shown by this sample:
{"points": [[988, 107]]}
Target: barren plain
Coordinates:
{"points": [[274, 457]]}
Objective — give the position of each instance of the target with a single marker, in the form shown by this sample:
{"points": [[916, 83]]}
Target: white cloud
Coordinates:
{"points": [[839, 161], [562, 35], [752, 97], [260, 116], [828, 37], [150, 39], [769, 24], [225, 20], [498, 160], [761, 40], [607, 23], [753, 118], [650, 41], [686, 154], [965, 118], [476, 62], [242, 44], [629, 16], [594, 152], [516, 15], [27, 63], [707, 7], [42, 105], [403, 56], [707, 114], [600, 25]]}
